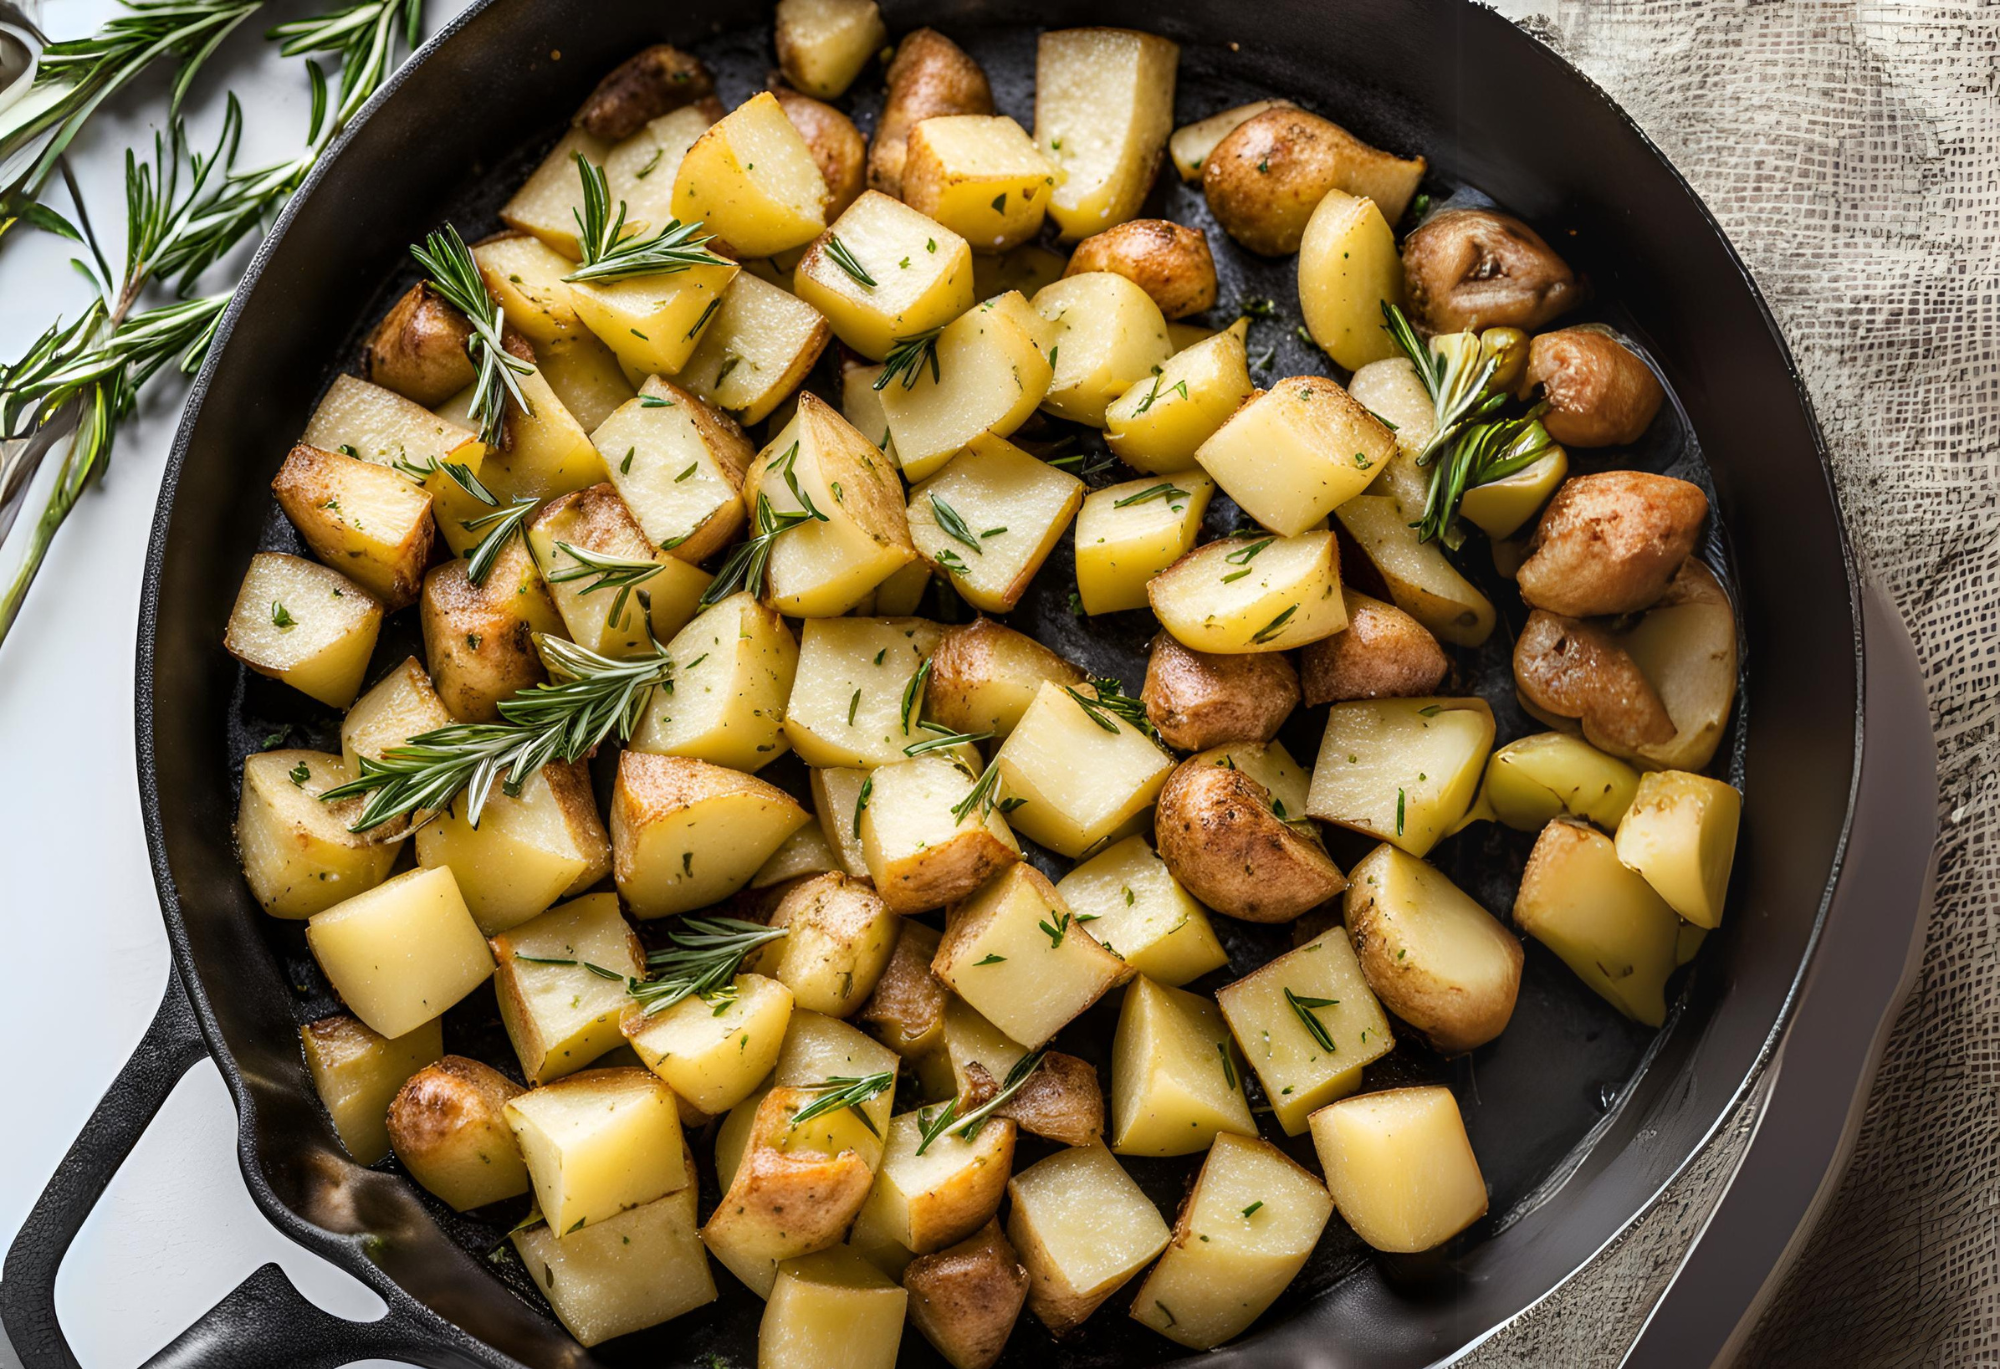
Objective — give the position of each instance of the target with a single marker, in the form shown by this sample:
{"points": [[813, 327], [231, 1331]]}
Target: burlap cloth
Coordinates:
{"points": [[1852, 152]]}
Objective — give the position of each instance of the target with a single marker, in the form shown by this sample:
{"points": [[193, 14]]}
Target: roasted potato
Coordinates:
{"points": [[965, 1299], [930, 76], [1104, 104], [984, 675], [1686, 647], [753, 180], [418, 349], [401, 953], [1170, 263], [448, 1127], [654, 81], [1604, 920], [1083, 1228], [530, 848], [1191, 143], [297, 852], [479, 639], [598, 1143], [1128, 533], [841, 936], [979, 175], [1027, 982], [831, 1307], [1061, 1101], [1680, 835], [1400, 1167], [1196, 700], [562, 1017], [991, 377], [1401, 770], [1479, 268], [937, 1197], [1347, 271], [1174, 1081], [1534, 780], [357, 1074], [1421, 578], [824, 44], [906, 1011], [1137, 909], [1084, 775], [1383, 654], [1107, 336], [1295, 452], [1265, 178], [1611, 542], [1263, 1010], [1599, 392], [1565, 668], [1160, 422], [1222, 837], [1290, 597], [305, 624], [685, 833], [837, 147], [1012, 508], [713, 1055], [924, 845]]}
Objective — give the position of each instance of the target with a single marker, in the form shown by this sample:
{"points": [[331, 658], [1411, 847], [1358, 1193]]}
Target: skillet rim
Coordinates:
{"points": [[348, 1252]]}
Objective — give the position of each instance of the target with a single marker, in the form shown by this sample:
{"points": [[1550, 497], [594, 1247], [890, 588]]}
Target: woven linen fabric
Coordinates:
{"points": [[1852, 153]]}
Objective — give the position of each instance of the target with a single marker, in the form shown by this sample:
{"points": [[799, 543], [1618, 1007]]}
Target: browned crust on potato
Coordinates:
{"points": [[837, 146], [1445, 1013], [418, 349], [967, 656], [929, 76], [441, 1100], [598, 520], [1196, 699], [1217, 834], [308, 488], [1477, 268], [653, 81], [1172, 264], [1061, 1101], [478, 648], [908, 1002], [966, 1299], [1599, 392], [1576, 670], [803, 1197], [1384, 653], [1611, 543], [725, 438], [1266, 177], [948, 872], [569, 783]]}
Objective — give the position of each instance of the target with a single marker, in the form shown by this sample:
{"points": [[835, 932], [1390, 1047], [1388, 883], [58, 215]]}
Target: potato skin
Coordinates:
{"points": [[1170, 263], [1611, 543], [1572, 669], [1454, 1017], [930, 75], [1061, 1101], [451, 1105], [908, 1002], [478, 652], [418, 349], [1264, 180], [966, 1298], [653, 81], [1475, 268], [837, 146], [972, 653], [1196, 700], [1383, 654], [1217, 834], [1600, 393]]}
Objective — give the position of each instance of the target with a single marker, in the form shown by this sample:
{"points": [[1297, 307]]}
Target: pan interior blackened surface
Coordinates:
{"points": [[1534, 1100]]}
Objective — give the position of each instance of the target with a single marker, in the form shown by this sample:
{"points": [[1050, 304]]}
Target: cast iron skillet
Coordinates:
{"points": [[1578, 1117]]}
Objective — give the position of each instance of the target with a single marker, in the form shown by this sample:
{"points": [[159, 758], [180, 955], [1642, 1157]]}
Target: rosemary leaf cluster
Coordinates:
{"points": [[610, 254], [455, 275]]}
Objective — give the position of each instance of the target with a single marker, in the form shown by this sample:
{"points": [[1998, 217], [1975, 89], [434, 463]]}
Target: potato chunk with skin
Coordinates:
{"points": [[1403, 770], [1479, 268], [1126, 534], [1174, 1084], [1104, 104], [930, 77], [1191, 143], [1172, 264], [1611, 543], [1433, 956], [1271, 1011], [1604, 920], [836, 793], [299, 856], [1290, 597], [1383, 654], [1294, 453], [1084, 782], [1027, 981], [824, 44], [402, 952], [1059, 1100], [1685, 645], [978, 1052], [648, 84], [652, 323], [921, 851], [1535, 780], [1566, 668], [1157, 425], [685, 833], [831, 1308], [990, 518], [358, 1073], [1680, 835], [1083, 1228], [907, 1008], [304, 624], [528, 850], [752, 180], [1347, 270], [966, 1299], [419, 348], [1242, 1236], [922, 274], [931, 1200], [546, 205], [989, 379], [1421, 580], [562, 1017], [846, 706], [1265, 178], [598, 1143], [1108, 335], [714, 1054], [734, 667], [838, 149], [1196, 700], [841, 936], [1400, 1167], [1239, 847], [601, 616], [984, 676], [979, 175], [378, 425], [818, 1047], [1600, 393], [479, 639], [1135, 907], [756, 349], [449, 1128]]}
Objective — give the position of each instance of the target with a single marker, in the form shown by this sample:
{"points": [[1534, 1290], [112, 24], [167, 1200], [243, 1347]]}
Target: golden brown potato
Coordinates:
{"points": [[418, 349], [1169, 262], [966, 1298], [1565, 668], [1476, 268], [1611, 543], [657, 80], [1600, 393], [1220, 837], [907, 1007], [447, 1129], [1196, 700], [1061, 1101], [984, 675], [1265, 179], [362, 518], [930, 75], [835, 143], [479, 640], [1383, 654]]}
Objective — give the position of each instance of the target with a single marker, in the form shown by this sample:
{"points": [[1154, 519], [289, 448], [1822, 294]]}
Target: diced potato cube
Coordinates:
{"points": [[357, 419], [640, 1268], [479, 639], [805, 852], [1403, 770], [1680, 835], [547, 453], [1400, 1167], [562, 1017], [397, 707], [1290, 597], [304, 624], [756, 350], [818, 1048], [751, 180], [1292, 454], [1307, 1023], [1241, 1238], [907, 1009], [685, 833], [1606, 922], [356, 1073], [598, 1143], [1082, 1228], [363, 518], [526, 275], [824, 44], [822, 567], [528, 850], [1158, 424], [846, 706], [1083, 781], [837, 800], [652, 322], [679, 467], [921, 273], [734, 667], [714, 1053], [1348, 268], [1500, 508], [1104, 104], [937, 1198], [989, 379], [831, 1308], [925, 843], [1532, 781], [966, 1299], [979, 175], [1013, 952], [990, 518], [600, 597], [1135, 907], [841, 936], [640, 171], [1174, 1084], [796, 1191], [585, 376], [1107, 335], [1421, 580], [1191, 143], [448, 1126], [402, 952], [548, 202], [984, 676], [1126, 534], [970, 1040], [298, 855]]}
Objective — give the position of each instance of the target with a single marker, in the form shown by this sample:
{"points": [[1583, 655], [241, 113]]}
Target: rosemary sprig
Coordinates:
{"points": [[1111, 702], [499, 528], [704, 957], [912, 707], [592, 698], [845, 260], [1303, 1007], [1275, 626], [906, 360], [744, 570], [1164, 490], [984, 795], [1453, 377], [622, 573], [933, 1125], [455, 275], [944, 741], [845, 1091], [610, 254], [1483, 453], [954, 525]]}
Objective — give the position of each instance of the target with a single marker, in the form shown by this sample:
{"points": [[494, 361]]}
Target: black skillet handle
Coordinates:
{"points": [[266, 1323]]}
